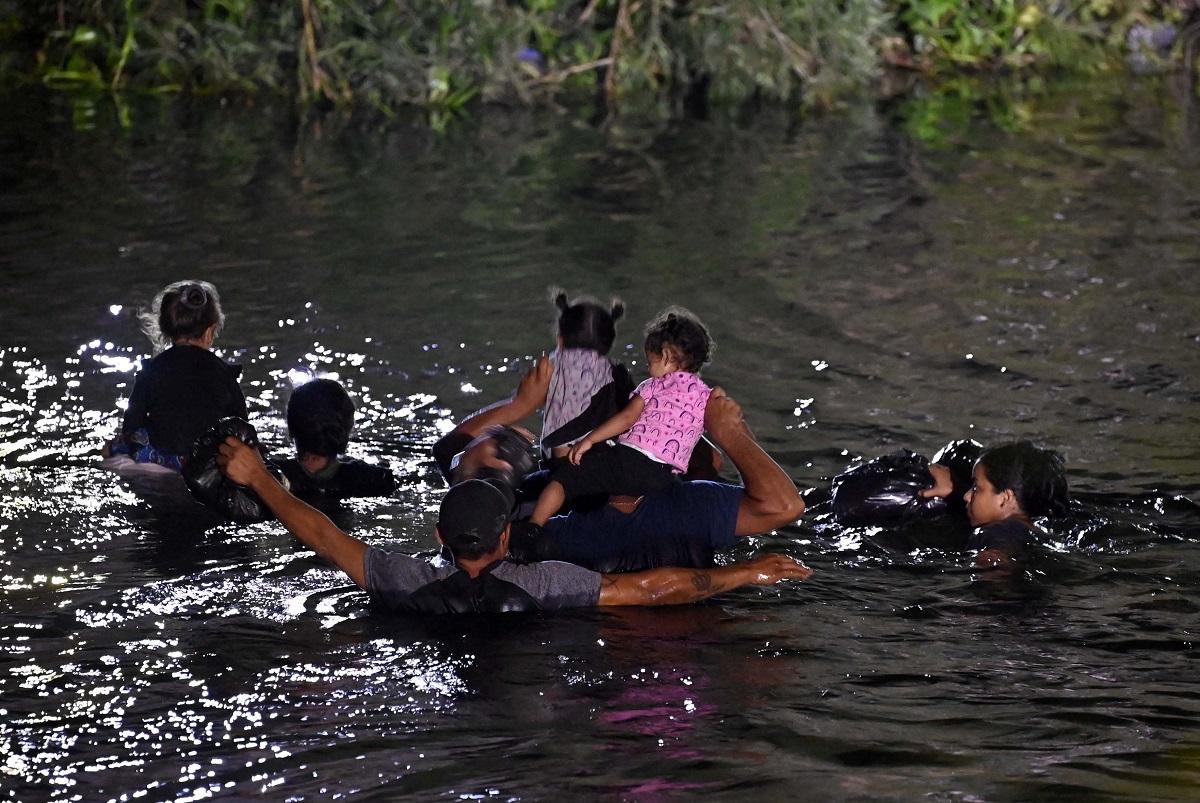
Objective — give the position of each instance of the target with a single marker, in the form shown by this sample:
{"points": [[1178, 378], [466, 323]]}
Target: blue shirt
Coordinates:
{"points": [[682, 525]]}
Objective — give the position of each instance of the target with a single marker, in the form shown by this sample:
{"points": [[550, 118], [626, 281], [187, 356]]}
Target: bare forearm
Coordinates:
{"points": [[313, 528], [943, 485], [675, 586], [666, 586], [767, 485], [614, 426], [510, 411]]}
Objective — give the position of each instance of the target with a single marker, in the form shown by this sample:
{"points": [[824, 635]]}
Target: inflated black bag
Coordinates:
{"points": [[884, 491], [959, 456], [212, 488], [515, 449]]}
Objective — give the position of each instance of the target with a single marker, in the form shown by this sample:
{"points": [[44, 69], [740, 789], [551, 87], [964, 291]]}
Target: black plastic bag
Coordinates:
{"points": [[884, 491], [887, 490], [212, 488], [959, 456], [513, 448]]}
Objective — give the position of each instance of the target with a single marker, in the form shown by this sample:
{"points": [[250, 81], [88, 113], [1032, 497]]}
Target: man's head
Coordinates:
{"points": [[473, 517], [320, 415]]}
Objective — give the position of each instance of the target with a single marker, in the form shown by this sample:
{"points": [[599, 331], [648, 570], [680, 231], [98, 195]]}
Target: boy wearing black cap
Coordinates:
{"points": [[473, 525]]}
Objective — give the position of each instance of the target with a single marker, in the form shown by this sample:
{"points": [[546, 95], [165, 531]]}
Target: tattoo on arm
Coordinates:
{"points": [[702, 581]]}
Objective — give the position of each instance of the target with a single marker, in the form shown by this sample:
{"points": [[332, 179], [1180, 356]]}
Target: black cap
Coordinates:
{"points": [[472, 517]]}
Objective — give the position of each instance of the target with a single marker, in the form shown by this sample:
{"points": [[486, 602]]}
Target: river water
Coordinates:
{"points": [[892, 276]]}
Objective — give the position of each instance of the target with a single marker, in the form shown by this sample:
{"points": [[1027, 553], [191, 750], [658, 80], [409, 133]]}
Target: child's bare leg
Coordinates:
{"points": [[548, 503]]}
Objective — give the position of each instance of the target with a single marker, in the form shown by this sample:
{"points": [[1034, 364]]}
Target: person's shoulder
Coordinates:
{"points": [[695, 488], [690, 500], [357, 478], [197, 357], [510, 568], [1010, 536], [386, 567]]}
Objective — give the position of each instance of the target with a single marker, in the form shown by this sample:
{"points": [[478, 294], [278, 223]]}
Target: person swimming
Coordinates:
{"points": [[1002, 491], [1011, 485]]}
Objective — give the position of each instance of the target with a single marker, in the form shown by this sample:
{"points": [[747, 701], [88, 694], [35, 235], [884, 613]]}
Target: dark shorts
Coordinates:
{"points": [[613, 470]]}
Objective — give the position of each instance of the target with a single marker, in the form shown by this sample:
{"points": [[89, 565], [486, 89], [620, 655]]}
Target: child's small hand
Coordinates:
{"points": [[577, 452]]}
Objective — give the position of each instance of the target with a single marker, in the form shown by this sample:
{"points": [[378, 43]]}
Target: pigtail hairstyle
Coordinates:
{"points": [[583, 324]]}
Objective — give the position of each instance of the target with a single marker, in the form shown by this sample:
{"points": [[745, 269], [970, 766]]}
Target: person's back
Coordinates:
{"points": [[586, 387], [187, 391], [473, 575], [184, 390]]}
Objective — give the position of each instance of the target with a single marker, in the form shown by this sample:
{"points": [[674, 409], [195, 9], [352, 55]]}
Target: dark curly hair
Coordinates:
{"points": [[683, 332], [1037, 476], [583, 323], [320, 415]]}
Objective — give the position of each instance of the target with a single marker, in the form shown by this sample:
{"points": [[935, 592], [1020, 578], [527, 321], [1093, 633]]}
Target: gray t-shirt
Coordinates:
{"points": [[405, 583]]}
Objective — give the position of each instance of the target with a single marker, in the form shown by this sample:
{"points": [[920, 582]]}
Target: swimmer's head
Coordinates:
{"points": [[677, 333], [183, 311], [582, 323], [320, 415], [472, 517], [1036, 477]]}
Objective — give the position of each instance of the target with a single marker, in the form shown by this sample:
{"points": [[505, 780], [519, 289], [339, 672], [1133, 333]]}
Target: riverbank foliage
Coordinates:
{"points": [[629, 56]]}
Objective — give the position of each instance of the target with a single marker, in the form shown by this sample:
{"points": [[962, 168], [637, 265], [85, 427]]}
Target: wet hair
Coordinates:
{"points": [[182, 311], [683, 332], [1037, 476], [473, 516], [320, 415], [583, 323]]}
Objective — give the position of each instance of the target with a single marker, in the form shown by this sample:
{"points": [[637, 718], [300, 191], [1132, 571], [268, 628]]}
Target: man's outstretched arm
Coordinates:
{"points": [[530, 395], [672, 586], [770, 498], [244, 466]]}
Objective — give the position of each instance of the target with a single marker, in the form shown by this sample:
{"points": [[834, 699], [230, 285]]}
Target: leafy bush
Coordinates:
{"points": [[647, 55]]}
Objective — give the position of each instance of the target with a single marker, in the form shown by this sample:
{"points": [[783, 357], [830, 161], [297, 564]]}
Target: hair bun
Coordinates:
{"points": [[617, 310], [193, 297]]}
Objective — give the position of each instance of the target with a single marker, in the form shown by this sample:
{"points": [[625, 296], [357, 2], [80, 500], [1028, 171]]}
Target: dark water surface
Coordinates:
{"points": [[868, 290]]}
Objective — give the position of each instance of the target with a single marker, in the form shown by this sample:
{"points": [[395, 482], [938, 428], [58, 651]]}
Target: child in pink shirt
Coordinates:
{"points": [[655, 432]]}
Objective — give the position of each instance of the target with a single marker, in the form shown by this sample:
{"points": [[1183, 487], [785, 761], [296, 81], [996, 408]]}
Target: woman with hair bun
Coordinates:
{"points": [[185, 389]]}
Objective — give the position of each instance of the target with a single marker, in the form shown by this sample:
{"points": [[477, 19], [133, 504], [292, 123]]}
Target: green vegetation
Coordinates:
{"points": [[633, 57]]}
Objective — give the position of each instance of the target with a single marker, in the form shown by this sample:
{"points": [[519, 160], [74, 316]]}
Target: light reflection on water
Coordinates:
{"points": [[866, 293]]}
